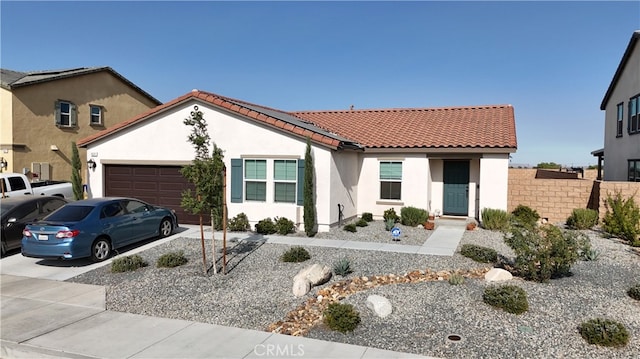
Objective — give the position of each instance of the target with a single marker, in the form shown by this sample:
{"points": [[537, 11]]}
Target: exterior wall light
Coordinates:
{"points": [[91, 164]]}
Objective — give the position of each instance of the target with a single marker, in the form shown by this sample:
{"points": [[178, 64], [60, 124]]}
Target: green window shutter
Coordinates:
{"points": [[56, 114], [236, 180], [300, 183], [73, 115]]}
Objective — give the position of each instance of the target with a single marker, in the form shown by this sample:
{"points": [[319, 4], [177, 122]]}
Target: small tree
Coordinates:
{"points": [[309, 205], [76, 166]]}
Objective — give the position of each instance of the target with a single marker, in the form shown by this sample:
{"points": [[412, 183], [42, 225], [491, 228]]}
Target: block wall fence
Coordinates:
{"points": [[555, 199]]}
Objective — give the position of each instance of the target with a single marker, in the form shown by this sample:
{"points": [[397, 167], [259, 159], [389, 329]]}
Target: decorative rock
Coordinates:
{"points": [[301, 286], [315, 274], [379, 304], [497, 275]]}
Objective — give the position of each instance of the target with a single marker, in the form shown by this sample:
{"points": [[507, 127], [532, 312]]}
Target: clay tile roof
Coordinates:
{"points": [[271, 117], [450, 127]]}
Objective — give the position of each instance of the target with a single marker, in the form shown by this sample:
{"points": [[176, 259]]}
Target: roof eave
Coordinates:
{"points": [[623, 62]]}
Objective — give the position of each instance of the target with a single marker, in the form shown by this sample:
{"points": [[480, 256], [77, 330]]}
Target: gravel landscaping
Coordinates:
{"points": [[257, 292]]}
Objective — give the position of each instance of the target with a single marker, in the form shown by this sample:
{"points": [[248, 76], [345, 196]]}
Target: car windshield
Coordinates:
{"points": [[4, 207], [69, 214]]}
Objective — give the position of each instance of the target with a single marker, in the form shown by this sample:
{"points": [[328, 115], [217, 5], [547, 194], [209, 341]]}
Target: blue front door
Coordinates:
{"points": [[456, 188]]}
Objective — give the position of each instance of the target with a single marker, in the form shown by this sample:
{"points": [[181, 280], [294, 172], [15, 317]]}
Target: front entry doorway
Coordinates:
{"points": [[456, 188]]}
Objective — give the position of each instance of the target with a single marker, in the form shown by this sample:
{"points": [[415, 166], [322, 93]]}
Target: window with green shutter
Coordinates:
{"points": [[65, 114], [285, 174], [390, 180], [255, 180]]}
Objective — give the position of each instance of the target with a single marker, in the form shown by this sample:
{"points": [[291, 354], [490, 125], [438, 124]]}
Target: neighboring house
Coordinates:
{"points": [[451, 161], [43, 112], [621, 104]]}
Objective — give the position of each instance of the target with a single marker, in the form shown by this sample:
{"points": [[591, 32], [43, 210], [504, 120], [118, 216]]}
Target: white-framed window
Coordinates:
{"points": [[285, 176], [65, 114], [620, 116], [390, 180], [95, 115], [634, 114], [255, 180]]}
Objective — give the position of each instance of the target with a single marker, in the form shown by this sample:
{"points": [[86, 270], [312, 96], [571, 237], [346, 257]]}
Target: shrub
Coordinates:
{"points": [[172, 259], [479, 253], [285, 226], [362, 223], [389, 224], [604, 332], [367, 216], [495, 219], [456, 279], [525, 216], [510, 298], [634, 292], [350, 227], [239, 223], [390, 214], [586, 253], [342, 267], [127, 264], [412, 216], [295, 255], [544, 252], [582, 218], [622, 218], [341, 317], [266, 226]]}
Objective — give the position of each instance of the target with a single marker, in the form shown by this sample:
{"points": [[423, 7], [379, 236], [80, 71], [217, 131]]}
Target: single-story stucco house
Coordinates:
{"points": [[450, 161]]}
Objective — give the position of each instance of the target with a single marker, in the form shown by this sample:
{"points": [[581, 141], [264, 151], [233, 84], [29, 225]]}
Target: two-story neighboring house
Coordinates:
{"points": [[43, 112], [621, 104]]}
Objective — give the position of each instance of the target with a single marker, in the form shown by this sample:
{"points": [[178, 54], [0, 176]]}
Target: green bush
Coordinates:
{"points": [[545, 252], [510, 298], [172, 259], [412, 216], [495, 219], [389, 224], [266, 226], [295, 255], [456, 279], [285, 226], [479, 253], [239, 223], [604, 332], [341, 317], [342, 267], [367, 216], [634, 292], [362, 223], [390, 214], [127, 264], [582, 218], [525, 216], [622, 218], [350, 227]]}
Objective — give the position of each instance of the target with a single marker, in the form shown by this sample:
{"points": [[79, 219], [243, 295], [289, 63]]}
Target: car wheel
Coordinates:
{"points": [[165, 228], [100, 250]]}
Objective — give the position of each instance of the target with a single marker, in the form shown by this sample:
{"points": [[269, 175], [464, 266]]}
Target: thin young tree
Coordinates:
{"points": [[310, 226], [205, 173], [76, 167]]}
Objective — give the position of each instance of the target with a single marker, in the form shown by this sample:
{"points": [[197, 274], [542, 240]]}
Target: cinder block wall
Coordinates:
{"points": [[627, 189]]}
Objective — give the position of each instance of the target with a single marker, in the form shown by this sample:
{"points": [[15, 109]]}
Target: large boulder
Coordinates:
{"points": [[301, 286], [315, 274], [380, 305], [497, 275]]}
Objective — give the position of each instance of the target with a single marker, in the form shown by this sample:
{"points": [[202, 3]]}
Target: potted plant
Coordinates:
{"points": [[428, 225]]}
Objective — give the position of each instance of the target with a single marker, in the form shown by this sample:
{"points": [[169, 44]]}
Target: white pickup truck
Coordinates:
{"points": [[16, 184]]}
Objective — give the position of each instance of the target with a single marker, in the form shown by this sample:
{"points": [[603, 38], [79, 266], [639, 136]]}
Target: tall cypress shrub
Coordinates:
{"points": [[309, 202], [76, 179]]}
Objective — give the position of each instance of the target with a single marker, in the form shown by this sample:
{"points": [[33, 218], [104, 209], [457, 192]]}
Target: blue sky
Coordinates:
{"points": [[552, 61]]}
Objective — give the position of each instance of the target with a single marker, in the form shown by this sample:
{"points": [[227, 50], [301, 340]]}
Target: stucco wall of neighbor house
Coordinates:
{"points": [[494, 174], [34, 117], [414, 190], [6, 128], [617, 150], [163, 140]]}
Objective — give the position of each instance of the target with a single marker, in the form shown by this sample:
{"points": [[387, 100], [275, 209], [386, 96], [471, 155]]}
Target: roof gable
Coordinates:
{"points": [[623, 62], [15, 79]]}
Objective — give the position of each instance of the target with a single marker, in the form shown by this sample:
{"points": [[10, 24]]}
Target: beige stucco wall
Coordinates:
{"points": [[6, 128], [620, 149], [34, 123]]}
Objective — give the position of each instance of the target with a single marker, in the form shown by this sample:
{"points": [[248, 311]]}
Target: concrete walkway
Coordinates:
{"points": [[43, 318]]}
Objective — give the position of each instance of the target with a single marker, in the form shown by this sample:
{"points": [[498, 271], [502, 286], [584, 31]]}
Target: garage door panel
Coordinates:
{"points": [[159, 185]]}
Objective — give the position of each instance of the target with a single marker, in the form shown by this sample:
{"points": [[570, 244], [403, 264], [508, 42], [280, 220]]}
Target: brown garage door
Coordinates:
{"points": [[159, 185]]}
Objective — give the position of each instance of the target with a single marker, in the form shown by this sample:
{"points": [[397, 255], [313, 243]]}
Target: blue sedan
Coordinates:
{"points": [[95, 227]]}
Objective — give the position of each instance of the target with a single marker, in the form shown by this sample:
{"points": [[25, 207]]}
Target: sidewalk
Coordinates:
{"points": [[42, 318]]}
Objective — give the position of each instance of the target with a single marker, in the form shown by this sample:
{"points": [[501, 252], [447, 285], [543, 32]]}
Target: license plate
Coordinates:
{"points": [[43, 237]]}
